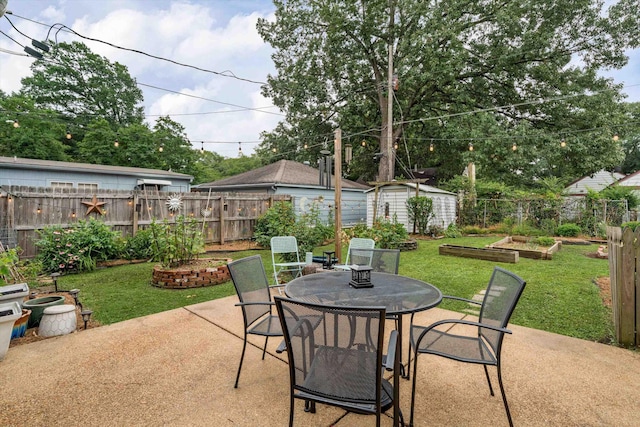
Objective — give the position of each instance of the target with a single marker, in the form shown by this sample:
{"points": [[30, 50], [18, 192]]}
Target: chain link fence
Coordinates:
{"points": [[545, 214]]}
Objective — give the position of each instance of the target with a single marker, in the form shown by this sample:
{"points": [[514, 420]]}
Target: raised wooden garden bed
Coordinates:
{"points": [[526, 249], [488, 254]]}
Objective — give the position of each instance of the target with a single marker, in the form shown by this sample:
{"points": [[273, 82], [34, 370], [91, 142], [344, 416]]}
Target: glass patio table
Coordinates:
{"points": [[398, 294]]}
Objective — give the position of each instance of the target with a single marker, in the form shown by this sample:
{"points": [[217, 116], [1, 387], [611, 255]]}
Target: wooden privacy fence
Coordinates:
{"points": [[223, 216], [624, 271]]}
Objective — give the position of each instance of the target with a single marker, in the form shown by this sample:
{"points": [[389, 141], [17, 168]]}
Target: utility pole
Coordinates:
{"points": [[388, 153], [337, 153]]}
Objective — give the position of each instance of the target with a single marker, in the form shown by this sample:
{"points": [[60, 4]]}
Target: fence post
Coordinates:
{"points": [[624, 260]]}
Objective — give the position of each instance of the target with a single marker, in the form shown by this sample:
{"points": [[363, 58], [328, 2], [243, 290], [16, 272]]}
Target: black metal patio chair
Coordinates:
{"points": [[340, 362], [484, 347], [380, 260], [250, 280]]}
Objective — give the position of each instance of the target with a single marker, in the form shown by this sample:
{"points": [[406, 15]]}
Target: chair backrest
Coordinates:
{"points": [[285, 246], [250, 280], [359, 243], [334, 352], [500, 299], [381, 260]]}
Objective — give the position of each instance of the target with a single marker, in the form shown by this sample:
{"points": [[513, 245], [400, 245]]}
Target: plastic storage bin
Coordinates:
{"points": [[11, 293], [9, 313]]}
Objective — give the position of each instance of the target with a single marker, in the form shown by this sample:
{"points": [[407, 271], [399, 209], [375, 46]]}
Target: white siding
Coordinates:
{"points": [[598, 182], [444, 204]]}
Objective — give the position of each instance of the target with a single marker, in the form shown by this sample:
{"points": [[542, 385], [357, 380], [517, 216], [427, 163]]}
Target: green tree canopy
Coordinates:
{"points": [[83, 86], [531, 66], [38, 135]]}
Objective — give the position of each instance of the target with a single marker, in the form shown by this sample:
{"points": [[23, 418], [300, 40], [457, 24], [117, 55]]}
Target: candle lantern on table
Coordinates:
{"points": [[361, 276]]}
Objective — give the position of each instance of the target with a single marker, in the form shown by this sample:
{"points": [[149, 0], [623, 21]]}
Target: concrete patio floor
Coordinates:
{"points": [[177, 368]]}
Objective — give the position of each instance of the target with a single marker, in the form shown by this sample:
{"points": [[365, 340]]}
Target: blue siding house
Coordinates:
{"points": [[302, 182], [88, 177]]}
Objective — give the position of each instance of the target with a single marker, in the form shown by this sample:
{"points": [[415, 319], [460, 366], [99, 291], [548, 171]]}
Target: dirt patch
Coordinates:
{"points": [[31, 335], [236, 245], [605, 290]]}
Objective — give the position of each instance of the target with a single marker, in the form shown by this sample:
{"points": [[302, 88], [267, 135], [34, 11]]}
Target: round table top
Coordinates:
{"points": [[398, 294]]}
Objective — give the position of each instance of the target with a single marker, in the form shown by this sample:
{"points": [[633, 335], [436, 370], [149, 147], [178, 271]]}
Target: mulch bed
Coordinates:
{"points": [[31, 335]]}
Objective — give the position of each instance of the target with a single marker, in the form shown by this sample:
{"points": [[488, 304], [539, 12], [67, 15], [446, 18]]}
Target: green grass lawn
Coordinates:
{"points": [[560, 295]]}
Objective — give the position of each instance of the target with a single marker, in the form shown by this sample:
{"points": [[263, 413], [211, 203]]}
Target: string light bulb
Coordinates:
{"points": [[616, 137], [363, 143], [431, 147], [240, 148], [563, 143], [470, 146], [274, 149], [395, 145], [305, 146], [69, 136], [73, 214], [38, 210], [202, 147], [16, 124], [116, 142], [161, 148], [514, 147]]}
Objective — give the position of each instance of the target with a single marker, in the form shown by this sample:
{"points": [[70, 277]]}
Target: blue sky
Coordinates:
{"points": [[217, 35]]}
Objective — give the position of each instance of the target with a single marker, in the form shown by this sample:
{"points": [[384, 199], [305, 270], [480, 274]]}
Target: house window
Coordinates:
{"points": [[61, 185], [87, 188]]}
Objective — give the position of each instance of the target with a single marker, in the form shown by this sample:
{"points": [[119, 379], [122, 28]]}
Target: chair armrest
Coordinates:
{"points": [[391, 351], [470, 301], [457, 322], [241, 304]]}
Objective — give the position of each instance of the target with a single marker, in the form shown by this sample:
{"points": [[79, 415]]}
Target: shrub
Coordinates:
{"points": [[176, 244], [525, 230], [77, 248], [631, 224], [452, 231], [278, 220], [544, 241], [8, 261], [471, 229], [569, 230], [139, 246], [420, 211], [388, 234]]}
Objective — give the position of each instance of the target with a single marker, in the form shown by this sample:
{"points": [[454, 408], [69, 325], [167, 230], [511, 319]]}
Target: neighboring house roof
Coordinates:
{"points": [[21, 163], [422, 187], [631, 180], [596, 182], [284, 173]]}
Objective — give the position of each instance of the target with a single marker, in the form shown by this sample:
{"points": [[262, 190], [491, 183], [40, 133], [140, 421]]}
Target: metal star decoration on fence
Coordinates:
{"points": [[94, 206]]}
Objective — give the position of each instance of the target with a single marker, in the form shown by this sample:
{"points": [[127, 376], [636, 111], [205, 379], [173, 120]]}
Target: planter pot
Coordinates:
{"points": [[11, 293], [20, 325], [9, 313], [38, 305]]}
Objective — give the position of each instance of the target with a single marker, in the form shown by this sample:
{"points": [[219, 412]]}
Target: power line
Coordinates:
{"points": [[60, 26]]}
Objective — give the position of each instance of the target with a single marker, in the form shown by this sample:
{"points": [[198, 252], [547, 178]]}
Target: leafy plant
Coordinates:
{"points": [[569, 230], [420, 211], [176, 244], [278, 220], [452, 231], [139, 246], [631, 224], [8, 261], [77, 248], [544, 241]]}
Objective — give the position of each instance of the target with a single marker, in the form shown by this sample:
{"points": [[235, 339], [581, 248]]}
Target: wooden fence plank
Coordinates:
{"points": [[36, 208], [627, 285]]}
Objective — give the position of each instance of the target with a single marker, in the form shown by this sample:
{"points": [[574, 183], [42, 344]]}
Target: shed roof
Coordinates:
{"points": [[22, 163], [281, 173], [422, 187], [597, 182]]}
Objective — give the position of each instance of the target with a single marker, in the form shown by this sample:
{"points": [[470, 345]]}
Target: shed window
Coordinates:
{"points": [[60, 184], [83, 186]]}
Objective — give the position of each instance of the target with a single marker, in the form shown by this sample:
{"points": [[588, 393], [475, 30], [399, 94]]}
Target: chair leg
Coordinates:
{"points": [[291, 408], [244, 347], [264, 350], [413, 387], [486, 372], [504, 396]]}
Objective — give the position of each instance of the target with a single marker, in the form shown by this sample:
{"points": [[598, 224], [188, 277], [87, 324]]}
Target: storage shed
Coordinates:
{"points": [[390, 199]]}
